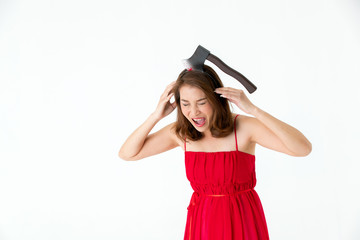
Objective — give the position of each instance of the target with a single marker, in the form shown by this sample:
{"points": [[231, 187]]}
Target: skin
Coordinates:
{"points": [[262, 128]]}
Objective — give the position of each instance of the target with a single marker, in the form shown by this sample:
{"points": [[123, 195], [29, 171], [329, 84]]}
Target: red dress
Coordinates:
{"points": [[224, 205]]}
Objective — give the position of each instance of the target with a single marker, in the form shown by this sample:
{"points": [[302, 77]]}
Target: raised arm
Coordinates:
{"points": [[267, 130], [140, 144]]}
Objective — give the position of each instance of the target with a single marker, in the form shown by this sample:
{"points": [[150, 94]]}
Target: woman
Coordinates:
{"points": [[219, 153]]}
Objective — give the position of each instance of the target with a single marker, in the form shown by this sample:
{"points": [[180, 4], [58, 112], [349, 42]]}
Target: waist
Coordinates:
{"points": [[218, 188], [197, 195], [222, 195]]}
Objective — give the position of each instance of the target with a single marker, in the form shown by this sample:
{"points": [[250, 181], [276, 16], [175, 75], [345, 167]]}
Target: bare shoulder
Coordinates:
{"points": [[253, 128], [244, 126], [247, 124], [243, 121]]}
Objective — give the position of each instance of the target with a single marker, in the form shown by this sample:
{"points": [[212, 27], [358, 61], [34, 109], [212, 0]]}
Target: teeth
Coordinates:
{"points": [[199, 120]]}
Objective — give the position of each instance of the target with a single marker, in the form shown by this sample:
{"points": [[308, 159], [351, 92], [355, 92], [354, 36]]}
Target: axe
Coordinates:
{"points": [[197, 60]]}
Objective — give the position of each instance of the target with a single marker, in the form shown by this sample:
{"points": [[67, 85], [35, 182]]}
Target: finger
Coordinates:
{"points": [[169, 88], [232, 92], [228, 96], [224, 95], [166, 92], [171, 84], [224, 90], [169, 96]]}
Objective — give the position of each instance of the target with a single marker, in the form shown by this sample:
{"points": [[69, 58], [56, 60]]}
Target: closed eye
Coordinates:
{"points": [[203, 103]]}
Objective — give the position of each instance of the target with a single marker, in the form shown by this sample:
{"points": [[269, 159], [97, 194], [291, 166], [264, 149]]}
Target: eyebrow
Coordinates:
{"points": [[196, 100]]}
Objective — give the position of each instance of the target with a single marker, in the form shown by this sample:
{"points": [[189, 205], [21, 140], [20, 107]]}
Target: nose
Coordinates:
{"points": [[194, 110]]}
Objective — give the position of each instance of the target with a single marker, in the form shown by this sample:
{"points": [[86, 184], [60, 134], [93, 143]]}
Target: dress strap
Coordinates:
{"points": [[185, 144], [235, 132]]}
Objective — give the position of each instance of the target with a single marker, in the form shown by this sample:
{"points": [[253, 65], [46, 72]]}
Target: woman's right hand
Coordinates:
{"points": [[164, 106]]}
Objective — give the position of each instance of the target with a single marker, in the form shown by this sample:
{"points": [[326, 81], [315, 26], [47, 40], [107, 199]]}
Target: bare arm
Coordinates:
{"points": [[266, 130], [140, 144], [272, 133]]}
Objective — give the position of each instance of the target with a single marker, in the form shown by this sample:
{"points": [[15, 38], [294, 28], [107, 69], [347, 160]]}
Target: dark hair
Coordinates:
{"points": [[221, 123]]}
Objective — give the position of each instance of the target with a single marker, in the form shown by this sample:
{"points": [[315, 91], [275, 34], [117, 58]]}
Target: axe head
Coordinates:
{"points": [[197, 60]]}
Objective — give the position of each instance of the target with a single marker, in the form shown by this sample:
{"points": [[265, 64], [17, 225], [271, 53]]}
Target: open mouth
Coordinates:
{"points": [[199, 122]]}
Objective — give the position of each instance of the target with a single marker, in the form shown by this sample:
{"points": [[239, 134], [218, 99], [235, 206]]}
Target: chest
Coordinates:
{"points": [[227, 143]]}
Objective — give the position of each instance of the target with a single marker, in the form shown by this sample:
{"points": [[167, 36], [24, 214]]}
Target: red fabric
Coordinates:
{"points": [[224, 205]]}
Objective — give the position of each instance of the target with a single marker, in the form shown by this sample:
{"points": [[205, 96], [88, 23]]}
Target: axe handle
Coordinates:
{"points": [[238, 76]]}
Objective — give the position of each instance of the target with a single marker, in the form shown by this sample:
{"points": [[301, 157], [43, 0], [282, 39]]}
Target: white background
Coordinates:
{"points": [[77, 77]]}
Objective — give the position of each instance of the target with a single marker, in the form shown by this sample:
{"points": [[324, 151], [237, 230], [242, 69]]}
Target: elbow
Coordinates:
{"points": [[121, 156], [124, 157], [309, 148], [306, 150]]}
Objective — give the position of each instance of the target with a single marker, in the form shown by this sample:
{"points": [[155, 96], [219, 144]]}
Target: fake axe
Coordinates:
{"points": [[196, 62]]}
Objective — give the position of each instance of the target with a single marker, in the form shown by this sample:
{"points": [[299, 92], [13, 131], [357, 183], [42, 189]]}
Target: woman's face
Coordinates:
{"points": [[195, 107]]}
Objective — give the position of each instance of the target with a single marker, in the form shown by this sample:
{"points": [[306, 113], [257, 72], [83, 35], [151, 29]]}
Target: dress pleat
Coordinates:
{"points": [[224, 204]]}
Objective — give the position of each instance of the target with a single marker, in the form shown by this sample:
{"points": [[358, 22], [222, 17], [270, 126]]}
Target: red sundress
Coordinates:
{"points": [[224, 205]]}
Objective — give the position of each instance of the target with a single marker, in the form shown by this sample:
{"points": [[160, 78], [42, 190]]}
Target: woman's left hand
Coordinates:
{"points": [[238, 97]]}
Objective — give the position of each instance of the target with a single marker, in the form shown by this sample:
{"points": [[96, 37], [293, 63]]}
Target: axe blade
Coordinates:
{"points": [[197, 60]]}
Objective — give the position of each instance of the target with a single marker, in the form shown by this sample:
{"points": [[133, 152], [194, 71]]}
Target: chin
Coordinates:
{"points": [[200, 129]]}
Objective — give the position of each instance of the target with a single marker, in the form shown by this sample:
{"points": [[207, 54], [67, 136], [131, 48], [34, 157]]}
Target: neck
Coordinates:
{"points": [[207, 134]]}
